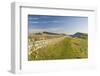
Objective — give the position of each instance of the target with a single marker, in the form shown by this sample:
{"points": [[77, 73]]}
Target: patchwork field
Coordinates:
{"points": [[61, 47]]}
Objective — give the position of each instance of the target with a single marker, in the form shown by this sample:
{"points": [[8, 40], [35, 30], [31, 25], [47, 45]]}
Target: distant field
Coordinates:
{"points": [[66, 48]]}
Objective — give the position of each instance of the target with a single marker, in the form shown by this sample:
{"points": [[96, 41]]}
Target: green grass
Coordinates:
{"points": [[68, 48]]}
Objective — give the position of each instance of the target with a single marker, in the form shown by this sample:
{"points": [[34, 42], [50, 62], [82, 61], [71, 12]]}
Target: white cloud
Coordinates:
{"points": [[33, 18], [34, 22], [54, 21]]}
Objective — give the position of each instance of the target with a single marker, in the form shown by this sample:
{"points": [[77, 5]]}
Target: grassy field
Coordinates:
{"points": [[68, 48]]}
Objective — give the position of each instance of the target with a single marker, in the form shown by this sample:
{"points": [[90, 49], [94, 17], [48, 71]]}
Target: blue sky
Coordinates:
{"points": [[57, 24]]}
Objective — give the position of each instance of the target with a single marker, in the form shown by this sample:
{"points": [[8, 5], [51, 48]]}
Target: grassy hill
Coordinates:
{"points": [[68, 48], [80, 35]]}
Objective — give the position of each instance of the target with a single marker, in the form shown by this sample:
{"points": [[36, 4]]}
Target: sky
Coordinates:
{"points": [[57, 24]]}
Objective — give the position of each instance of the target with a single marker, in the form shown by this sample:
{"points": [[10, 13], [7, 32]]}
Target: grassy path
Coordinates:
{"points": [[67, 48]]}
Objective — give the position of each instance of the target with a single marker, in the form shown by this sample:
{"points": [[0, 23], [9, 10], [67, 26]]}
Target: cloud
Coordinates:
{"points": [[31, 18], [34, 22], [55, 21]]}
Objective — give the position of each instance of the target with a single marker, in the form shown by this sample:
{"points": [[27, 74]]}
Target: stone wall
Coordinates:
{"points": [[35, 45]]}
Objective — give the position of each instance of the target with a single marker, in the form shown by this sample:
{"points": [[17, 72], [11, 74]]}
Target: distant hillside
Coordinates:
{"points": [[80, 35], [49, 33]]}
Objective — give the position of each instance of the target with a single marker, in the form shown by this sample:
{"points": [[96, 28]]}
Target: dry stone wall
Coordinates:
{"points": [[35, 45]]}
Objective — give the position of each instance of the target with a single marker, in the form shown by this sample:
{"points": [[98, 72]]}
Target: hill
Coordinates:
{"points": [[80, 35], [48, 33]]}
